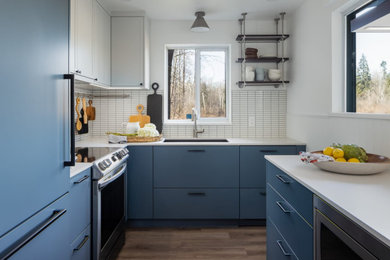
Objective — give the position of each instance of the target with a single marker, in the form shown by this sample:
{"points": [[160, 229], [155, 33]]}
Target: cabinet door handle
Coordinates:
{"points": [[268, 151], [72, 161], [32, 234], [287, 211], [196, 193], [78, 71], [81, 244], [81, 180], [279, 242], [262, 193], [282, 179], [196, 151]]}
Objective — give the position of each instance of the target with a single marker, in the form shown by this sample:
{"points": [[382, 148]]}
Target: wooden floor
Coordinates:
{"points": [[208, 243]]}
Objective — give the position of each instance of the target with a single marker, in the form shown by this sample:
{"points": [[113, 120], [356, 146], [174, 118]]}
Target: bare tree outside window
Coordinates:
{"points": [[197, 78]]}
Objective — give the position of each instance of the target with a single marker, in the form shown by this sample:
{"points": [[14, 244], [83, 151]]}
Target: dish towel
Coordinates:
{"points": [[308, 157]]}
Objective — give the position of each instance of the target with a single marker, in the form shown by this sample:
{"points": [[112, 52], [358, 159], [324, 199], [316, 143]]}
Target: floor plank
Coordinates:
{"points": [[244, 243]]}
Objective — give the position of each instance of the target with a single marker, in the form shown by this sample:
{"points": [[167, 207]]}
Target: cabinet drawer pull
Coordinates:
{"points": [[287, 211], [81, 244], [282, 179], [262, 193], [279, 242], [268, 151], [78, 71], [32, 234], [196, 151], [196, 193], [81, 180]]}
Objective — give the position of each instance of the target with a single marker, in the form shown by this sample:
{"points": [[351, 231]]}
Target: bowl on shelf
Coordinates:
{"points": [[375, 164], [274, 74]]}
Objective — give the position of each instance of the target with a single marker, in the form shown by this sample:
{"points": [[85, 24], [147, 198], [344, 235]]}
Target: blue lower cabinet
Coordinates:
{"points": [[140, 182], [52, 242], [196, 203], [80, 249], [252, 163], [196, 166], [291, 225], [277, 247], [252, 203], [80, 203]]}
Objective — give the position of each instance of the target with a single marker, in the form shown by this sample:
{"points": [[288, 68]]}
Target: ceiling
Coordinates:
{"points": [[215, 9]]}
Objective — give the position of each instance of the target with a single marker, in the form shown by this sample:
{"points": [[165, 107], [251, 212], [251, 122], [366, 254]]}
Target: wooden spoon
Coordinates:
{"points": [[85, 111], [79, 125]]}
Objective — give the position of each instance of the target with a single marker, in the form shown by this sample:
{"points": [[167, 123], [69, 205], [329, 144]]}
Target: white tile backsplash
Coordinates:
{"points": [[268, 107]]}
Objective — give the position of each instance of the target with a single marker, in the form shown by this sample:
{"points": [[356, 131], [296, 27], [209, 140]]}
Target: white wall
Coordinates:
{"points": [[265, 104], [309, 116]]}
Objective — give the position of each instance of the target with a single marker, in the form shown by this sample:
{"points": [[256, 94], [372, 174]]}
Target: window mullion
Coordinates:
{"points": [[197, 80]]}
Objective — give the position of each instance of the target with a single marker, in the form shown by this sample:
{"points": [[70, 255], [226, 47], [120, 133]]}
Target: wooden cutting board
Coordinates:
{"points": [[91, 111], [142, 119], [155, 108]]}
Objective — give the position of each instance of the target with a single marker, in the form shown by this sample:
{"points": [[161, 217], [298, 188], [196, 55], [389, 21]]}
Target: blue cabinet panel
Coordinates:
{"points": [[277, 247], [196, 203], [252, 203], [252, 163], [51, 243], [140, 182], [291, 225], [80, 203], [296, 194], [196, 166], [34, 107], [80, 249]]}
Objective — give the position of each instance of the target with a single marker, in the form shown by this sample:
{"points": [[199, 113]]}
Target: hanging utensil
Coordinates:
{"points": [[91, 111], [79, 125]]}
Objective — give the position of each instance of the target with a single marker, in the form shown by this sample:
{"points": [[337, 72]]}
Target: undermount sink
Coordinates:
{"points": [[196, 140]]}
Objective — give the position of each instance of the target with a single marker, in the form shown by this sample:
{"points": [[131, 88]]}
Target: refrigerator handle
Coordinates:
{"points": [[72, 161]]}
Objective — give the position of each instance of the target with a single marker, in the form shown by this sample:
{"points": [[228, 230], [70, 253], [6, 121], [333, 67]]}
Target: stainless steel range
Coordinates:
{"points": [[108, 198]]}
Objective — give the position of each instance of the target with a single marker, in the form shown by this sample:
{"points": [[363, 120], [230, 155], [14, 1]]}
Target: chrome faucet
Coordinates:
{"points": [[194, 118]]}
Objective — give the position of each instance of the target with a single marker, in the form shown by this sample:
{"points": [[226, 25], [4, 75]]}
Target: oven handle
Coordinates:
{"points": [[112, 178]]}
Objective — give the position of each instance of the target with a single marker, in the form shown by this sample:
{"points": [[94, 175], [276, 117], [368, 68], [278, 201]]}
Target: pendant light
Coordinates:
{"points": [[200, 24]]}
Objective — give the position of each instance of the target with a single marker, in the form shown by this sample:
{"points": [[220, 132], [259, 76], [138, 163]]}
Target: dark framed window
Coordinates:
{"points": [[367, 58]]}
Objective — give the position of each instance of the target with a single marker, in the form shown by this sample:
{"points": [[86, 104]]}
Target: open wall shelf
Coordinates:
{"points": [[262, 83], [263, 60], [262, 37]]}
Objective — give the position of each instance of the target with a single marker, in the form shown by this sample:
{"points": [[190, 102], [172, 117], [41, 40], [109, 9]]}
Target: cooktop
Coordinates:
{"points": [[91, 154]]}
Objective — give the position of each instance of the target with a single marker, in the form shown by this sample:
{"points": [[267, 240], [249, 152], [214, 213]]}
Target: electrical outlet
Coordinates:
{"points": [[251, 121]]}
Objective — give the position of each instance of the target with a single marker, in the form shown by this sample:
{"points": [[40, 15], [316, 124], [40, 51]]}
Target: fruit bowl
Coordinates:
{"points": [[375, 164]]}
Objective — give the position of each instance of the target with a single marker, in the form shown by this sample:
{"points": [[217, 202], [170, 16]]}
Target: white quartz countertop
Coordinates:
{"points": [[102, 142], [78, 168], [364, 199]]}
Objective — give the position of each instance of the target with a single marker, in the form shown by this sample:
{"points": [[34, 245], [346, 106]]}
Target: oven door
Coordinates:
{"points": [[109, 212], [336, 237]]}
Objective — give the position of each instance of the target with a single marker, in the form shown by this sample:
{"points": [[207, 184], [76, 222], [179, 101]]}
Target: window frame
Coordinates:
{"points": [[350, 59], [198, 48]]}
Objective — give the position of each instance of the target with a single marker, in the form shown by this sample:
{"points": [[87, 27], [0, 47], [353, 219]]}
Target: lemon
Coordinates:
{"points": [[338, 153], [354, 160], [341, 160], [328, 151]]}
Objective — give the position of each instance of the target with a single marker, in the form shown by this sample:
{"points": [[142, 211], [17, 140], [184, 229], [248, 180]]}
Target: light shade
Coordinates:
{"points": [[200, 24]]}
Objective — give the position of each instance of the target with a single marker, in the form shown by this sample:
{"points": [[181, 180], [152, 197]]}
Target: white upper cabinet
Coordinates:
{"points": [[101, 45], [129, 52], [83, 38]]}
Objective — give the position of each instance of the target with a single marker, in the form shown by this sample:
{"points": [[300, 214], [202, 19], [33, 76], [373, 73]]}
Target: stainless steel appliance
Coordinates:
{"points": [[109, 181], [337, 237]]}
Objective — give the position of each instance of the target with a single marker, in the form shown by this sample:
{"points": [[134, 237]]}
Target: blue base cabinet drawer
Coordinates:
{"points": [[291, 225], [252, 163], [53, 240], [196, 203], [80, 203], [296, 194], [196, 166], [80, 249], [252, 203], [277, 247]]}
